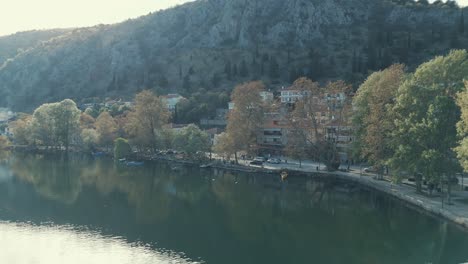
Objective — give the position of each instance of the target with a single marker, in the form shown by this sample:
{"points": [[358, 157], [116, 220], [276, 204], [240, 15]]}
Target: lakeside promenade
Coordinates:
{"points": [[457, 211]]}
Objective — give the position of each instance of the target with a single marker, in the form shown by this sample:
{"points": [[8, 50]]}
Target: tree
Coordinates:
{"points": [[461, 24], [224, 145], [373, 119], [148, 116], [106, 128], [246, 118], [90, 138], [22, 130], [243, 71], [56, 124], [86, 121], [192, 139], [462, 149], [4, 143], [319, 119], [426, 115], [121, 148]]}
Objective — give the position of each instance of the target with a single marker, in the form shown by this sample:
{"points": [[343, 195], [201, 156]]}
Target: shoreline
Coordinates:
{"points": [[404, 194], [456, 213]]}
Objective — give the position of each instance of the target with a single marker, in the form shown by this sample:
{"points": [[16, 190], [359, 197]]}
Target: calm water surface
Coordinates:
{"points": [[78, 210]]}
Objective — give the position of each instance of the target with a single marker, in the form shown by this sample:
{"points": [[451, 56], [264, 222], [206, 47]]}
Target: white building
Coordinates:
{"points": [[266, 96], [290, 96], [172, 100]]}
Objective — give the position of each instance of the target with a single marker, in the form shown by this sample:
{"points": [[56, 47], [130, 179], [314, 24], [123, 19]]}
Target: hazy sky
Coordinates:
{"points": [[21, 15]]}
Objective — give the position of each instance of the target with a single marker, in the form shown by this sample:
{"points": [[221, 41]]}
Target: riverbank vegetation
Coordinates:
{"points": [[145, 127], [414, 123]]}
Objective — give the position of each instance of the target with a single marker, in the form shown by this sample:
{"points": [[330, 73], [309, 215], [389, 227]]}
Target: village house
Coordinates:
{"points": [[171, 100]]}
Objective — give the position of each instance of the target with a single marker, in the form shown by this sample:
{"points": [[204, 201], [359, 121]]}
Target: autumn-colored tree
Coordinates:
{"points": [[246, 118], [86, 121], [22, 130], [147, 117], [318, 120], [373, 118], [462, 149], [106, 128]]}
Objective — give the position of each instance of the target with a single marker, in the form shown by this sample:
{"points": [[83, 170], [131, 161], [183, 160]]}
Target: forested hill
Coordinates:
{"points": [[213, 44], [11, 45]]}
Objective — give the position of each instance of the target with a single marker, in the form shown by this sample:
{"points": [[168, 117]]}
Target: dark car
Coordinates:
{"points": [[256, 162]]}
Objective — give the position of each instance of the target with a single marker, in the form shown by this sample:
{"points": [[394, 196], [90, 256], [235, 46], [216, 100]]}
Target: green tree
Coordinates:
{"points": [[426, 116], [192, 139], [56, 124], [462, 149], [121, 148], [90, 138]]}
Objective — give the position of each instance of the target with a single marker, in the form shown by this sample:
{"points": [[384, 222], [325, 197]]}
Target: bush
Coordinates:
{"points": [[121, 148]]}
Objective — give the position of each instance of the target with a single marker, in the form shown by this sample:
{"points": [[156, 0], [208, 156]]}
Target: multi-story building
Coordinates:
{"points": [[292, 95]]}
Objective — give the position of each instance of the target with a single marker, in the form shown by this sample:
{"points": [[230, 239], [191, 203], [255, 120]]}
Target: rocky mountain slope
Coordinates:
{"points": [[213, 44]]}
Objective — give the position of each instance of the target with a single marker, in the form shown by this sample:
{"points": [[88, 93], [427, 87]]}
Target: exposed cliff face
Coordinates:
{"points": [[215, 43]]}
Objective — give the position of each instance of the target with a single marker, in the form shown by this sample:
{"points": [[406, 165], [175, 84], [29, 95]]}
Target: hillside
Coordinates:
{"points": [[214, 44], [11, 45]]}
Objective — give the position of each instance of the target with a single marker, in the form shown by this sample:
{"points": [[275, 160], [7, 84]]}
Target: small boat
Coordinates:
{"points": [[205, 166], [134, 163], [98, 154]]}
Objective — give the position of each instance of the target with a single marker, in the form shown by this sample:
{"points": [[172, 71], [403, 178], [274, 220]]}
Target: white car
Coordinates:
{"points": [[274, 161]]}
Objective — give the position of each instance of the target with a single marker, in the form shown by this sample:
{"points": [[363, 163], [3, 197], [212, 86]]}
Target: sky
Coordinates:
{"points": [[22, 15]]}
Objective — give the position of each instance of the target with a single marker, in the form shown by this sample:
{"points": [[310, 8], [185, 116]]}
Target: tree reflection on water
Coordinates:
{"points": [[246, 218]]}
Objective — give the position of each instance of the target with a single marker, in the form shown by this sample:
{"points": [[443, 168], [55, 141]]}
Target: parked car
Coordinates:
{"points": [[274, 161], [256, 162]]}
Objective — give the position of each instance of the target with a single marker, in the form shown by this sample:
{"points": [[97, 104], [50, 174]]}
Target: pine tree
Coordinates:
{"points": [[186, 85], [227, 70], [461, 26], [243, 71]]}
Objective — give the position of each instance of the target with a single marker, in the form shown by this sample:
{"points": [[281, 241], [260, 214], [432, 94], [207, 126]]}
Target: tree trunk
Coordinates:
{"points": [[418, 183], [449, 189]]}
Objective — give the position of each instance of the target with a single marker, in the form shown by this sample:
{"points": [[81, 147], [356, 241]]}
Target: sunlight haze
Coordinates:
{"points": [[23, 15]]}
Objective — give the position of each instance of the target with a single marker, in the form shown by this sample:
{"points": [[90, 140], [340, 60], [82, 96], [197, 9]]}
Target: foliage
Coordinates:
{"points": [[462, 149], [90, 138], [148, 116], [373, 117], [200, 104], [246, 118], [106, 127], [318, 121], [22, 130], [56, 124], [426, 116], [191, 139], [4, 142], [121, 148]]}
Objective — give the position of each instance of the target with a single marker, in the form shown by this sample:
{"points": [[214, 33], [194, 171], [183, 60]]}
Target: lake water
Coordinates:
{"points": [[76, 209]]}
